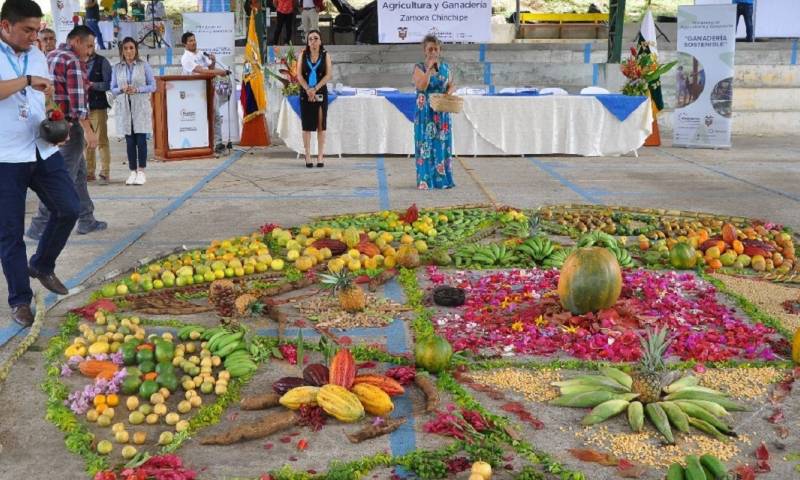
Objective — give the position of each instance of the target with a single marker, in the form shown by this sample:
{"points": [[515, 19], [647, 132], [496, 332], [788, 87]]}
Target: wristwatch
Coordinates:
{"points": [[28, 77]]}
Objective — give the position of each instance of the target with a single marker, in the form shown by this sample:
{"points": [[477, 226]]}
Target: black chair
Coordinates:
{"points": [[343, 23]]}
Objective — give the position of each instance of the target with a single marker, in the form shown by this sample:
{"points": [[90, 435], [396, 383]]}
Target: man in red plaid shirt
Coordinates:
{"points": [[71, 82]]}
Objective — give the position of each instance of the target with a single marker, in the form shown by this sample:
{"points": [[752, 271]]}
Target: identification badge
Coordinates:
{"points": [[24, 111]]}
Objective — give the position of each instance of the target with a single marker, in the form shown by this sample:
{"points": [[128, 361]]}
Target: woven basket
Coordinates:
{"points": [[446, 103]]}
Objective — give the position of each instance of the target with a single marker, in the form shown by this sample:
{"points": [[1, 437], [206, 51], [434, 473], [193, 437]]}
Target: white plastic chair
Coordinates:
{"points": [[594, 91], [553, 91]]}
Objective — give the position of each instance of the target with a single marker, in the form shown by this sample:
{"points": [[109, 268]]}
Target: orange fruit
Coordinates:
{"points": [[112, 400], [714, 263], [738, 247], [101, 408], [99, 400]]}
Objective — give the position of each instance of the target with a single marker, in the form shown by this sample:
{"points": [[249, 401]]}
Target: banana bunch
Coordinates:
{"points": [[537, 248], [557, 258], [485, 256], [705, 467], [686, 404], [191, 332], [232, 348], [602, 239]]}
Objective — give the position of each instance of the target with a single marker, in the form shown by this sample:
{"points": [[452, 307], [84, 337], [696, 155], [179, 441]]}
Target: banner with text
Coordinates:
{"points": [[704, 76], [408, 21], [187, 114], [214, 32], [62, 11]]}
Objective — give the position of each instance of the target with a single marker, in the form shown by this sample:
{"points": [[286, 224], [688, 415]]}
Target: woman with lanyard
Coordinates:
{"points": [[132, 82], [316, 71]]}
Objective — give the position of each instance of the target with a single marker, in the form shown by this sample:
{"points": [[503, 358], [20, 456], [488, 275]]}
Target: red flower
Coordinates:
{"points": [[56, 115]]}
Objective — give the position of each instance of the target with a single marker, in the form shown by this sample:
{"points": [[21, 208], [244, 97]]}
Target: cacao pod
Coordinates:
{"points": [[336, 247], [299, 396], [339, 403], [283, 385], [316, 374], [343, 369], [369, 249], [374, 400], [389, 385]]}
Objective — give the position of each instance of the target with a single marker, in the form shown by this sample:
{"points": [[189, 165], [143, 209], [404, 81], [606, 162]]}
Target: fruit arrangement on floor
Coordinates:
{"points": [[444, 334]]}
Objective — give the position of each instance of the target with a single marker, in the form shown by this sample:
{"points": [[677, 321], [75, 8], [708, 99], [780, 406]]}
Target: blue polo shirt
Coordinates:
{"points": [[749, 2], [21, 134]]}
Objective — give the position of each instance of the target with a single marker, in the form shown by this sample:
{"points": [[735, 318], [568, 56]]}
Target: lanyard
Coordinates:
{"points": [[15, 64], [312, 76]]}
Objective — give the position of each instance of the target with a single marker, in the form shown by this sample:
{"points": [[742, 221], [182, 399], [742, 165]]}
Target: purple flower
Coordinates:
{"points": [[66, 370]]}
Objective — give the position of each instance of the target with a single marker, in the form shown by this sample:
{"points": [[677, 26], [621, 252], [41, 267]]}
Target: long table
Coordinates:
{"points": [[488, 125]]}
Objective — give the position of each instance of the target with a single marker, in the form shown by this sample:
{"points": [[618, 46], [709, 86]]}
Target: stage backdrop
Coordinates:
{"points": [[704, 74], [214, 32], [772, 18], [452, 21], [62, 11]]}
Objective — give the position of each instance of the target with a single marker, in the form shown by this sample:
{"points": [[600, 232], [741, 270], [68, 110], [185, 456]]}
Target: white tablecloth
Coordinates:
{"points": [[492, 125]]}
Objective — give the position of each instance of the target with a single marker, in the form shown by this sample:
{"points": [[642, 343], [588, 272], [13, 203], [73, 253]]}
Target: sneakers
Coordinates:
{"points": [[95, 226], [131, 179], [220, 148], [140, 179]]}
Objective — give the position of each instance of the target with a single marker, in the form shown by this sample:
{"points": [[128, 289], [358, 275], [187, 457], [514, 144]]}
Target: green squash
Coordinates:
{"points": [[147, 388], [590, 280], [164, 351], [130, 385], [168, 380], [433, 353], [145, 355], [682, 256], [128, 350]]}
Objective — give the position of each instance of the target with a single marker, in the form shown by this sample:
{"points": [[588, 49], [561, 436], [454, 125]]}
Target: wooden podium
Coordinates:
{"points": [[183, 117]]}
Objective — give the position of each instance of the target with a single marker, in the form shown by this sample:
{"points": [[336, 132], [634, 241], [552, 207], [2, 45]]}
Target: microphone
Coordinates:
{"points": [[206, 54]]}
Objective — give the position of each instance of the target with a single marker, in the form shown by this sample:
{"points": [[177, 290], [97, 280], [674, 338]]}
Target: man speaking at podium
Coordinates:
{"points": [[195, 62]]}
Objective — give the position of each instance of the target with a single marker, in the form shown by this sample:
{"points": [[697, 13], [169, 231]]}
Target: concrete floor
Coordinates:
{"points": [[190, 203]]}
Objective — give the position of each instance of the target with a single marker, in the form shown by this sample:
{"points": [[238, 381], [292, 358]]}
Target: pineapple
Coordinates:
{"points": [[351, 297], [649, 376], [248, 304]]}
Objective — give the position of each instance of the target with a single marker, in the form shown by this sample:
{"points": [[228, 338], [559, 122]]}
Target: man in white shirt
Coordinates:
{"points": [[27, 161], [195, 62]]}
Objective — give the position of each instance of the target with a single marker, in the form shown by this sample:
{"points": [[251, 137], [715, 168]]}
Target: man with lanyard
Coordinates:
{"points": [[100, 80], [48, 38], [195, 62], [27, 161], [71, 94]]}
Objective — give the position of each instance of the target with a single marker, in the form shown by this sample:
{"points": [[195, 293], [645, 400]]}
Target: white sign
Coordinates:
{"points": [[187, 114], [704, 76], [62, 11], [214, 32], [459, 21]]}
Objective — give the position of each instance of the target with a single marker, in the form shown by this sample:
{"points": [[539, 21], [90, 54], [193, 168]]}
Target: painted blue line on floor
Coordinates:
{"points": [[404, 439], [71, 241], [487, 73], [482, 53], [794, 52], [595, 74], [383, 184], [9, 332], [791, 197], [128, 240], [585, 194], [587, 52]]}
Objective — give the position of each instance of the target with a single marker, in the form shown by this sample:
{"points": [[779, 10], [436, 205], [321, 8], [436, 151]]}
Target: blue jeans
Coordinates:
{"points": [[54, 187], [95, 27], [746, 10], [137, 147]]}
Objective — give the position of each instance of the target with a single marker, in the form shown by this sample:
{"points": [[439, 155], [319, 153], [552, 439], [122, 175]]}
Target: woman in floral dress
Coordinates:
{"points": [[433, 137]]}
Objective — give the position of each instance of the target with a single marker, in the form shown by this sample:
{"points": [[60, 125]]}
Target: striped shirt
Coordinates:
{"points": [[71, 82]]}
